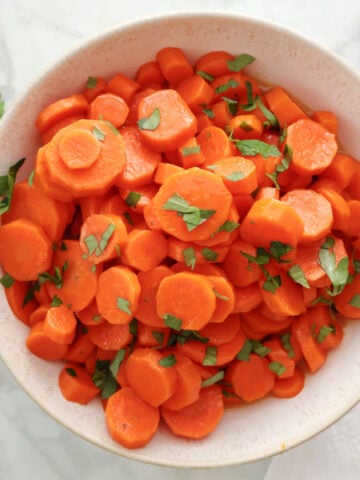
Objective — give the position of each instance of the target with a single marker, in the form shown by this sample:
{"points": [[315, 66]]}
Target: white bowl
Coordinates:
{"points": [[318, 78]]}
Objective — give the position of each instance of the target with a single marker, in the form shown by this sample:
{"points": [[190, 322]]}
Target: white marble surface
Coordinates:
{"points": [[32, 445]]}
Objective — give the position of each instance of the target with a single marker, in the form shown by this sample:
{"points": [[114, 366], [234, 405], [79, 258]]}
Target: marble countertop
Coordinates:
{"points": [[32, 445]]}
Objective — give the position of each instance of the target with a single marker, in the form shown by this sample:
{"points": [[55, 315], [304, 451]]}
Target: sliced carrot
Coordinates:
{"points": [[144, 249], [198, 419], [73, 278], [261, 325], [237, 267], [278, 354], [314, 354], [195, 91], [48, 135], [190, 154], [131, 421], [267, 192], [340, 208], [314, 210], [189, 297], [60, 109], [92, 204], [25, 249], [109, 107], [80, 349], [133, 115], [118, 294], [325, 329], [39, 314], [247, 298], [140, 162], [214, 144], [194, 254], [102, 237], [94, 87], [246, 126], [143, 196], [283, 107], [221, 114], [327, 119], [289, 387], [225, 298], [109, 336], [272, 220], [238, 173], [352, 228], [220, 333], [173, 124], [42, 346], [104, 170], [203, 120], [233, 85], [214, 63], [252, 379], [353, 188], [200, 191], [16, 296], [313, 147], [188, 384], [78, 149], [76, 385], [164, 170], [115, 205], [123, 86], [155, 337], [148, 73], [173, 64], [90, 315], [60, 324], [147, 375], [347, 302]]}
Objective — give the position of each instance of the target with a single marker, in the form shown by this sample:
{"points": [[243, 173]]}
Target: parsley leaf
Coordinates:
{"points": [[253, 147], [168, 361], [118, 359], [151, 122], [339, 273], [277, 367], [239, 62], [245, 351], [355, 300], [232, 105], [189, 256], [281, 167], [235, 176], [226, 86], [228, 226], [56, 301], [221, 297], [205, 76], [297, 274], [187, 151], [132, 199], [193, 216], [124, 305], [104, 379], [7, 281], [98, 134], [7, 183], [213, 379], [286, 342], [172, 321], [324, 331], [71, 372], [270, 117], [91, 82], [209, 254], [210, 356]]}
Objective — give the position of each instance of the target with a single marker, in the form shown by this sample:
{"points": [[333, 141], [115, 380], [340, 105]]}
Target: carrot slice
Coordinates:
{"points": [[225, 298], [60, 109], [109, 336], [200, 192], [283, 107], [314, 354], [289, 387], [123, 86], [173, 64], [214, 144], [25, 249], [195, 91], [144, 249], [327, 119], [189, 297], [199, 418], [238, 173], [314, 210], [340, 208], [246, 126], [131, 421], [76, 385], [313, 147], [42, 346], [94, 87], [165, 120], [214, 63], [149, 73], [60, 324], [247, 298], [109, 107], [347, 302], [151, 379], [236, 265], [220, 333], [16, 296], [278, 354], [118, 294]]}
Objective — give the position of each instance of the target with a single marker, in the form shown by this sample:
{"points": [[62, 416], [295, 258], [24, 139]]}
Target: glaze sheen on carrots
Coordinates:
{"points": [[188, 241]]}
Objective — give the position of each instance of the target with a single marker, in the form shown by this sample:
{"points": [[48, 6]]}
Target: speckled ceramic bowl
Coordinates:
{"points": [[283, 57]]}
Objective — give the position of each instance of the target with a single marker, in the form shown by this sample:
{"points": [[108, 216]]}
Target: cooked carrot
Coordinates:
{"points": [[195, 91], [94, 87], [289, 387], [233, 85], [340, 208], [327, 119], [131, 421], [220, 333], [237, 267], [60, 109], [118, 294], [102, 237], [123, 86], [214, 63], [31, 203], [149, 283], [164, 170], [238, 173], [267, 192], [251, 379], [314, 210], [283, 107], [352, 228], [188, 384], [115, 205], [261, 325], [221, 114], [198, 419], [78, 149], [189, 297], [42, 346], [133, 115], [25, 249], [152, 379], [72, 278], [147, 336], [314, 354], [313, 147], [150, 216], [60, 324], [203, 120], [214, 144], [227, 233], [307, 258], [347, 302], [109, 336], [245, 127], [194, 254], [325, 329], [272, 220], [139, 199], [90, 205], [101, 172], [140, 162], [247, 298], [225, 298], [198, 191], [80, 349], [90, 315], [173, 64], [76, 385], [16, 295], [353, 188], [190, 154], [144, 249], [39, 314], [148, 73], [278, 354], [109, 107], [48, 135], [165, 120]]}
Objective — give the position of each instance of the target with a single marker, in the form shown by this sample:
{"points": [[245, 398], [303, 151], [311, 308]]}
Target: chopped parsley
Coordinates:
{"points": [[193, 216], [151, 122]]}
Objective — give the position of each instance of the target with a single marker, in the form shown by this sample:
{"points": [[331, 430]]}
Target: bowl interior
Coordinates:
{"points": [[320, 80]]}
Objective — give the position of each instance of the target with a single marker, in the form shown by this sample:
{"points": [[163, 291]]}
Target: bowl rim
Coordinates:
{"points": [[81, 46]]}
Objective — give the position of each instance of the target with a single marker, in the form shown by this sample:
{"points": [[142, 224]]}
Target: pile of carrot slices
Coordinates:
{"points": [[187, 241]]}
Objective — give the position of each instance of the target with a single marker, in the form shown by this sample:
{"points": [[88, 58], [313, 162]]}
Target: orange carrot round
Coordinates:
{"points": [[76, 385]]}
